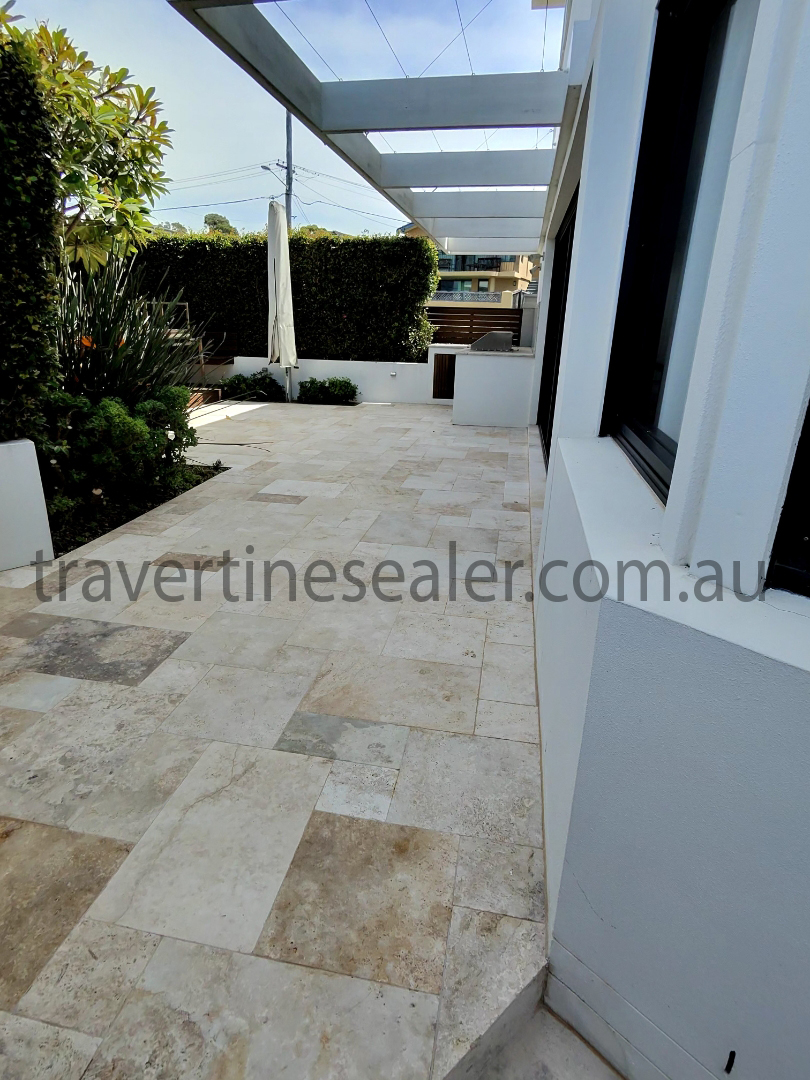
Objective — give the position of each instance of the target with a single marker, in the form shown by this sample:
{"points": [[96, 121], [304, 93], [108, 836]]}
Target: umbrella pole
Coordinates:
{"points": [[288, 373]]}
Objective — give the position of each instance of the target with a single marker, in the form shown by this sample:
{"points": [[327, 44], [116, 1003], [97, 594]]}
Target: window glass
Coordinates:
{"points": [[697, 74]]}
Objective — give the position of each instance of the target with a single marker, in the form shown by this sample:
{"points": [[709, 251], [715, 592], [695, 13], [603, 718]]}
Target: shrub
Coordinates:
{"points": [[260, 386], [118, 461], [335, 391], [354, 297], [114, 342], [28, 225]]}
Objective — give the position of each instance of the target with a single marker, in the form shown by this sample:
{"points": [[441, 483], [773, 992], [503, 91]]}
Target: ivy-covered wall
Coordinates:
{"points": [[28, 364], [354, 298]]}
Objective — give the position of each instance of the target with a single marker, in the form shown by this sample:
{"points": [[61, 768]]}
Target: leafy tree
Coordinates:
{"points": [[314, 231], [173, 227], [218, 223], [108, 144]]}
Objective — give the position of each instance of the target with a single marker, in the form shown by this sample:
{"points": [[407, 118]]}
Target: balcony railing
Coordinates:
{"points": [[468, 297], [465, 263]]}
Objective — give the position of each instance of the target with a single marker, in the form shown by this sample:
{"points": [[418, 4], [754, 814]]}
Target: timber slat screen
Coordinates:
{"points": [[464, 326], [444, 375]]}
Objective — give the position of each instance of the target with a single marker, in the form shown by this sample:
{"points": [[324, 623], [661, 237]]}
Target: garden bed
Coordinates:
{"points": [[102, 515]]}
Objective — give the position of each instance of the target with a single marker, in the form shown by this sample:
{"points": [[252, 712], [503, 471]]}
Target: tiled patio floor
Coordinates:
{"points": [[252, 837]]}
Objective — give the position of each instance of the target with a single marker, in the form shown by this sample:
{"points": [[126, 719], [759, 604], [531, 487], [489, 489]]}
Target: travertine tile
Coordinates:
{"points": [[85, 649], [511, 632], [247, 705], [366, 898], [127, 804], [303, 487], [338, 625], [393, 527], [28, 625], [87, 979], [417, 693], [206, 1014], [508, 674], [443, 638], [546, 1047], [53, 768], [465, 537], [184, 616], [490, 959], [505, 878], [49, 876], [34, 691], [13, 722], [235, 640], [30, 1050], [344, 738], [362, 791], [211, 863], [175, 678], [470, 786], [504, 720]]}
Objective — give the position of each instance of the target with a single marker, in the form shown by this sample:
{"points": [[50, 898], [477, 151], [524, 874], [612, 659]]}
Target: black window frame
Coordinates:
{"points": [[687, 53], [790, 557], [555, 324]]}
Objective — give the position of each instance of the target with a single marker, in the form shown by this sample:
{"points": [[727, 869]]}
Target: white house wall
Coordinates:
{"points": [[676, 735]]}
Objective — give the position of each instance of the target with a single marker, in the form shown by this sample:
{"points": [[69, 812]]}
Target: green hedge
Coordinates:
{"points": [[28, 363], [354, 298]]}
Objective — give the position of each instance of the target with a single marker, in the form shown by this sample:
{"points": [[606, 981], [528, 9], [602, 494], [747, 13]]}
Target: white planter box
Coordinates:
{"points": [[24, 528]]}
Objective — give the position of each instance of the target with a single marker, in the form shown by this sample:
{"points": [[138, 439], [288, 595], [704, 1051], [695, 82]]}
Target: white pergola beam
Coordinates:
{"points": [[530, 99], [481, 168], [488, 245], [342, 113], [517, 227], [467, 204]]}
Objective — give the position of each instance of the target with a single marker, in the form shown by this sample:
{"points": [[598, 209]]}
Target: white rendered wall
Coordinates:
{"points": [[376, 381], [493, 389], [677, 736], [24, 528]]}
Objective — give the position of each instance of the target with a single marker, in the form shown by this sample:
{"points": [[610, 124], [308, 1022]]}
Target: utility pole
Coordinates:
{"points": [[288, 193]]}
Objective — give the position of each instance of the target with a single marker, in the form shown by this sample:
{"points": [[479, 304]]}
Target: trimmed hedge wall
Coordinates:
{"points": [[354, 298], [28, 363]]}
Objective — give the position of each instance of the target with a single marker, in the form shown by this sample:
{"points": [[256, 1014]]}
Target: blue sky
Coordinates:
{"points": [[225, 125]]}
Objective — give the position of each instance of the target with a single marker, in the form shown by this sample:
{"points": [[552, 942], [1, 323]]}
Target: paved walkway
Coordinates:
{"points": [[250, 835]]}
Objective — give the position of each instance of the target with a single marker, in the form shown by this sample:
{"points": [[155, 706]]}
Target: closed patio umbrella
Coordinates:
{"points": [[280, 329]]}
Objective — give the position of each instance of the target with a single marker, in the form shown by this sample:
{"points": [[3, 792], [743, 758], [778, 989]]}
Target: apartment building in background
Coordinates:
{"points": [[475, 279]]}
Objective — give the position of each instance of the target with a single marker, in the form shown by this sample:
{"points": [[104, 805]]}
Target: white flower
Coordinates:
{"points": [[53, 461], [170, 435], [97, 491]]}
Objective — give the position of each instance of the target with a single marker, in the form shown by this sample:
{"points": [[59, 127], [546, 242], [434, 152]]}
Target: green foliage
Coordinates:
{"points": [[334, 391], [108, 144], [115, 462], [260, 386], [28, 368], [354, 298], [218, 223], [114, 342]]}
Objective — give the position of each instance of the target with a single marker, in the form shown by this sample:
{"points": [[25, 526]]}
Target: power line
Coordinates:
{"points": [[200, 206], [387, 42], [301, 208], [352, 209], [464, 35], [466, 26], [306, 39]]}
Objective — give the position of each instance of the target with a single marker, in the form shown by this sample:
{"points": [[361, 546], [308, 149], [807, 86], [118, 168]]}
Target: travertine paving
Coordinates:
{"points": [[270, 793]]}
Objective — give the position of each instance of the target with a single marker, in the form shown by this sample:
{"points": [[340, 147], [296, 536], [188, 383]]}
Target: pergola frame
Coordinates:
{"points": [[342, 113]]}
